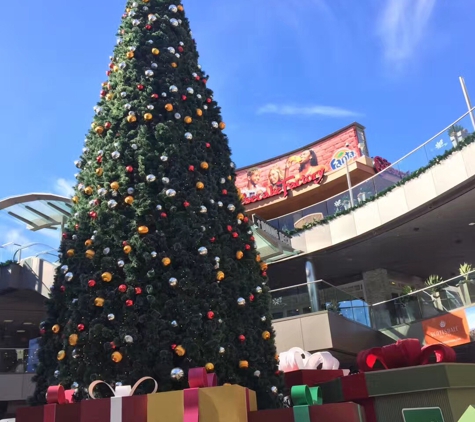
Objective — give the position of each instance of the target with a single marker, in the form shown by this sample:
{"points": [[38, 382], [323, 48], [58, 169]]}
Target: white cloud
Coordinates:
{"points": [[316, 110], [15, 236], [402, 27], [64, 187]]}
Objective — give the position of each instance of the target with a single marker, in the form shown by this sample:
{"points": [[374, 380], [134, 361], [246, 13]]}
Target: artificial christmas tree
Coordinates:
{"points": [[159, 271]]}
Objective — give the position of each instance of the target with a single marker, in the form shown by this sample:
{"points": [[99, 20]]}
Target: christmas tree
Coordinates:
{"points": [[159, 270]]}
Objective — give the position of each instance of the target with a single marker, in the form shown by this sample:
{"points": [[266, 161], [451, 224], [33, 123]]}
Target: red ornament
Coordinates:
{"points": [[103, 93], [212, 240], [122, 288], [264, 274], [183, 97], [247, 247], [129, 169], [125, 243], [42, 331], [108, 125], [251, 297], [155, 96], [99, 159], [208, 100], [148, 27], [111, 65], [93, 215], [251, 238], [208, 145], [191, 168], [129, 303], [204, 81], [140, 87], [62, 289], [242, 338], [210, 314], [197, 77], [65, 235], [81, 327], [173, 346], [91, 283], [163, 215], [230, 228], [224, 192], [186, 204], [277, 372], [180, 49], [76, 226], [235, 235], [245, 219], [138, 291], [108, 73], [112, 345]]}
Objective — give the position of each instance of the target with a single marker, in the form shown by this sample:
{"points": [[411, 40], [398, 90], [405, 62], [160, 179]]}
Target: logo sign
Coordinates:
{"points": [[451, 329], [341, 157], [423, 414], [271, 231]]}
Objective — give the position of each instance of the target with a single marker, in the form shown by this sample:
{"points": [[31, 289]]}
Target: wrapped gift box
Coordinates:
{"points": [[115, 409], [50, 413], [311, 377]]}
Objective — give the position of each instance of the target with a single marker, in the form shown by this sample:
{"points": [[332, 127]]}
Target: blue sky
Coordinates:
{"points": [[284, 72]]}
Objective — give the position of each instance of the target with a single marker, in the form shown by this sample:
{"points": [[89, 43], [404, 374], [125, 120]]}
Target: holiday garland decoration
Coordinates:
{"points": [[159, 270]]}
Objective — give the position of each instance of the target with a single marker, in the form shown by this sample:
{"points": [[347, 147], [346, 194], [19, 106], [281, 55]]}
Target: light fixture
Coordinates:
{"points": [[27, 323], [471, 224], [8, 320], [20, 331]]}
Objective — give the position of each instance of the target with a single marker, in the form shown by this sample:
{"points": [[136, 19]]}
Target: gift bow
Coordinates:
{"points": [[122, 390], [197, 378], [295, 359], [404, 353], [56, 394], [303, 397]]}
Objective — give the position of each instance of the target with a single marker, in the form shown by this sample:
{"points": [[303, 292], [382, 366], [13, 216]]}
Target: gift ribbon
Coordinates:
{"points": [[303, 397], [296, 358], [122, 390], [197, 378]]}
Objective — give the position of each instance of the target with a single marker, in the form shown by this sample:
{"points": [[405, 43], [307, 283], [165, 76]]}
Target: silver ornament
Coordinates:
{"points": [[232, 165], [131, 113], [150, 107], [99, 110], [203, 209], [165, 180], [174, 324], [106, 251], [257, 374], [177, 116], [263, 318], [74, 385], [150, 42], [258, 290], [177, 55], [114, 193], [222, 350], [115, 155], [149, 73], [220, 204], [173, 88], [164, 158], [119, 41], [215, 125], [274, 389], [177, 374], [132, 48], [111, 317], [127, 106], [78, 164], [171, 50], [56, 373], [203, 251], [134, 146], [231, 207], [159, 207], [172, 282], [194, 74], [102, 191], [136, 22], [130, 191], [154, 254], [120, 263], [174, 22], [75, 237], [112, 203], [154, 65], [220, 320], [241, 301], [75, 354], [123, 94], [64, 269], [170, 193], [217, 259], [188, 136], [152, 18], [211, 201], [199, 96], [173, 8], [181, 43], [128, 339], [190, 91], [203, 228], [68, 276], [164, 94], [122, 65], [151, 178]]}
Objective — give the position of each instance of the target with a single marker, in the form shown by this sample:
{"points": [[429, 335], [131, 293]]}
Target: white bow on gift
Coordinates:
{"points": [[122, 390], [296, 358]]}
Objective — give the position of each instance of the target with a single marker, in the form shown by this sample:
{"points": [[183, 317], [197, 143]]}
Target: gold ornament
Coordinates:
{"points": [[209, 367], [276, 357], [148, 116], [73, 339], [70, 252], [129, 200], [180, 8], [174, 65], [116, 357], [200, 185], [75, 199], [155, 51], [180, 351], [98, 301], [199, 112], [230, 177], [107, 277], [263, 266], [88, 190], [99, 130], [188, 120], [239, 255], [55, 328], [204, 165], [131, 119], [222, 125], [243, 364], [258, 258], [166, 261], [240, 216], [99, 171], [220, 276], [266, 335], [90, 254], [88, 242], [130, 54], [115, 68], [109, 96], [61, 355], [143, 230], [115, 185], [168, 107], [127, 249]]}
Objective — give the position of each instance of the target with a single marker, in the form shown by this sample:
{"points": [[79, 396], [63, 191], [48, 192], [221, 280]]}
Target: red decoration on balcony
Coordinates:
{"points": [[403, 353]]}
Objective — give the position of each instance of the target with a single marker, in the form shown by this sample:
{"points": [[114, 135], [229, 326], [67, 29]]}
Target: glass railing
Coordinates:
{"points": [[428, 302], [16, 252], [318, 296], [14, 361], [422, 156]]}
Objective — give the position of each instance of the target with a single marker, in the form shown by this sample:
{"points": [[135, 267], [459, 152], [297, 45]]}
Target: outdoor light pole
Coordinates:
{"points": [[467, 100], [348, 179]]}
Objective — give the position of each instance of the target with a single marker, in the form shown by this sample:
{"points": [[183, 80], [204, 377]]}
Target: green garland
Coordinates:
{"points": [[414, 175], [6, 263]]}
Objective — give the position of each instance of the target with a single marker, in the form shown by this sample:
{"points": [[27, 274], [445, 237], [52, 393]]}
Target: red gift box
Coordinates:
{"points": [[354, 387], [338, 412], [124, 409], [311, 377]]}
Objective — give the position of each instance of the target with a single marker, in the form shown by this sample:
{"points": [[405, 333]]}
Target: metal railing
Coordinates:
{"points": [[14, 252], [443, 141]]}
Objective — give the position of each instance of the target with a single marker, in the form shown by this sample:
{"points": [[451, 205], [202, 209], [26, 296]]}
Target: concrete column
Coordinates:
{"points": [[377, 289]]}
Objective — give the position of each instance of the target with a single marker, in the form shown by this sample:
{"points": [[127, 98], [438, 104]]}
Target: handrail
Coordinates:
{"points": [[29, 246], [381, 172]]}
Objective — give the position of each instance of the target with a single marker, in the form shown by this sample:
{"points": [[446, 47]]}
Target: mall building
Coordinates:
{"points": [[351, 241]]}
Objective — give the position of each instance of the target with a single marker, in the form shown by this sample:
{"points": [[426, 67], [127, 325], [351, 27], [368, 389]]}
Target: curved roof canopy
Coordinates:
{"points": [[38, 210]]}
